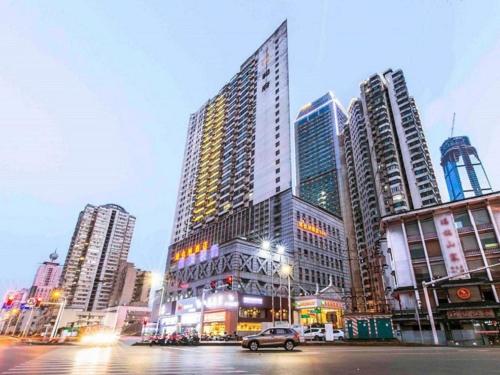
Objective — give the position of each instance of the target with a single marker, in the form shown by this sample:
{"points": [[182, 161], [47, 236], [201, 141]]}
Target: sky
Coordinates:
{"points": [[95, 97]]}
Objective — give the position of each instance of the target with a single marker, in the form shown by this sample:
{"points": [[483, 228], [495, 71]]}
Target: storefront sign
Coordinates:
{"points": [[252, 300], [313, 303], [471, 314], [191, 250], [221, 300], [214, 317], [311, 228], [190, 318], [463, 293], [451, 247], [304, 316], [169, 320]]}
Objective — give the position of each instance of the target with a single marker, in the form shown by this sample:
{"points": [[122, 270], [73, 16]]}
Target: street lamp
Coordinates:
{"points": [[266, 246], [286, 270]]}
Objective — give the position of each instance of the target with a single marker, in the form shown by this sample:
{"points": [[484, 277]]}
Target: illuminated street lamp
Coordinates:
{"points": [[286, 270]]}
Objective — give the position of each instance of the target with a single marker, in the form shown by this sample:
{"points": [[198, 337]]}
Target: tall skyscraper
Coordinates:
{"points": [[47, 278], [238, 143], [463, 171], [237, 225], [317, 152], [389, 170], [101, 240]]}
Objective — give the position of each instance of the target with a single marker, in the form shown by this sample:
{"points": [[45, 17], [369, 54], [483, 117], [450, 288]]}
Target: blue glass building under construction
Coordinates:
{"points": [[463, 171]]}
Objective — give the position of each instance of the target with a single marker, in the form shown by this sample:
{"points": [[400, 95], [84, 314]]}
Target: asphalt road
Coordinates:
{"points": [[124, 359]]}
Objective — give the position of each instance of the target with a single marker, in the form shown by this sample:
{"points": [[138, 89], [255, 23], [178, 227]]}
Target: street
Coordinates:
{"points": [[125, 359]]}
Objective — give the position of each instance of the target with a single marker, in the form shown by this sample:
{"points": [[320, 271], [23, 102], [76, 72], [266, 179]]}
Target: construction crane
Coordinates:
{"points": [[452, 125]]}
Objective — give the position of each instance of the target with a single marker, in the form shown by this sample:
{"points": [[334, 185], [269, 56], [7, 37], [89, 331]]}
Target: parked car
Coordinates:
{"points": [[272, 338], [316, 334], [338, 334]]}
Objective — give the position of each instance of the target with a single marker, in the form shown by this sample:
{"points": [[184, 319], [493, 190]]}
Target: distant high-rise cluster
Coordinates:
{"points": [[101, 241]]}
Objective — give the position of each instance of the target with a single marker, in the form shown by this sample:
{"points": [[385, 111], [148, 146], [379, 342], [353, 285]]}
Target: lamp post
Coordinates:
{"points": [[281, 250], [266, 246], [286, 269], [62, 305]]}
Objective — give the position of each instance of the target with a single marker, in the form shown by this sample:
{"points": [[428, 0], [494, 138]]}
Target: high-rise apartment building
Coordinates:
{"points": [[463, 171], [317, 152], [101, 240], [47, 278], [238, 143], [389, 170], [132, 286], [237, 226]]}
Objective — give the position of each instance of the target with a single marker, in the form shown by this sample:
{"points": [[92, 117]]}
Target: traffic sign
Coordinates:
{"points": [[31, 302]]}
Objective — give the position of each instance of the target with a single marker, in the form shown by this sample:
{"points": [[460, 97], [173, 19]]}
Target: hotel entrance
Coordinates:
{"points": [[319, 311]]}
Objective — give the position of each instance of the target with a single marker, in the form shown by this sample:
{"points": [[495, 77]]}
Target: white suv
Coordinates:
{"points": [[316, 334]]}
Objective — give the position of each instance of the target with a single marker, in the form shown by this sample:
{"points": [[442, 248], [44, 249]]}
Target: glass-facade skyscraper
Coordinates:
{"points": [[317, 152], [463, 171]]}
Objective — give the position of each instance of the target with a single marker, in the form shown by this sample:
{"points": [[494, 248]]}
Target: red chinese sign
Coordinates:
{"points": [[451, 247]]}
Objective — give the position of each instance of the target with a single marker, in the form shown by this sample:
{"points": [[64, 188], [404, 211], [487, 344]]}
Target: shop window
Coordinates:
{"points": [[488, 240], [252, 312], [476, 263], [481, 217]]}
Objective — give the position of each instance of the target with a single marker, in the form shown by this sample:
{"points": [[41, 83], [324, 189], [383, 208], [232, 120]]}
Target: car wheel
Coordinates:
{"points": [[253, 346], [340, 338], [289, 345], [316, 338]]}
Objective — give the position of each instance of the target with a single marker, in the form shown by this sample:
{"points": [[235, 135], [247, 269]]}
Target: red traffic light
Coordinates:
{"points": [[10, 301], [229, 282], [38, 301], [144, 321]]}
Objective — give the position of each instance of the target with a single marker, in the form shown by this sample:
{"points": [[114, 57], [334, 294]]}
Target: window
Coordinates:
{"points": [[481, 217], [277, 170], [277, 161], [488, 240], [462, 220], [417, 251]]}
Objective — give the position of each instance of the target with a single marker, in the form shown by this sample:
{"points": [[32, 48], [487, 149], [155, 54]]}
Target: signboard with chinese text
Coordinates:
{"points": [[451, 248], [471, 314]]}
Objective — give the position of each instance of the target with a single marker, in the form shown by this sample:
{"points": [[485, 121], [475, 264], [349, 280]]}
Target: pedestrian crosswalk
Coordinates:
{"points": [[117, 361]]}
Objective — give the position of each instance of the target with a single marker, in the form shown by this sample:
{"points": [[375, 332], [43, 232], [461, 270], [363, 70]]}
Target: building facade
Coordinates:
{"points": [[389, 170], [47, 278], [132, 286], [101, 241], [235, 196], [463, 171], [317, 152], [439, 241], [238, 143]]}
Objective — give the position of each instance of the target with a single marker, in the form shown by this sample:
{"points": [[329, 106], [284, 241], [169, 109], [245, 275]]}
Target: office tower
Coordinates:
{"points": [[238, 143], [463, 171], [132, 286], [317, 152], [389, 170], [237, 225], [47, 278], [101, 240]]}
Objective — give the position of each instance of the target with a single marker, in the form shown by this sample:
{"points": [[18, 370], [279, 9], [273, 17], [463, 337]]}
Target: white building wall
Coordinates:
{"points": [[265, 151]]}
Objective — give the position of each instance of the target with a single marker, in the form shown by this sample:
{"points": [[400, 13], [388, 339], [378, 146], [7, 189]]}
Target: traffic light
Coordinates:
{"points": [[10, 301], [144, 321], [38, 301], [213, 285], [228, 281]]}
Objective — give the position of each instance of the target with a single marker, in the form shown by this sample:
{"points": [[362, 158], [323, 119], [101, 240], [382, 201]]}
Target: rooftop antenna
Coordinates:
{"points": [[453, 125]]}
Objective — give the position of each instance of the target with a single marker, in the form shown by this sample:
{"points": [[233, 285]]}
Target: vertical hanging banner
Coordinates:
{"points": [[451, 248]]}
